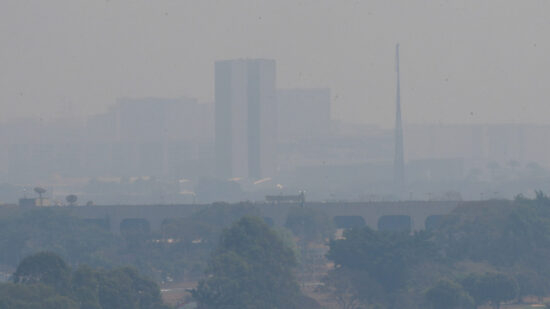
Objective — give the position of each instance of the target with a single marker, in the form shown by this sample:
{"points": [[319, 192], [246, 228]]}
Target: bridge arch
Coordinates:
{"points": [[348, 222], [395, 223]]}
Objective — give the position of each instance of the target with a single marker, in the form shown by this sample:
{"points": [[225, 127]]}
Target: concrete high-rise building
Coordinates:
{"points": [[245, 118]]}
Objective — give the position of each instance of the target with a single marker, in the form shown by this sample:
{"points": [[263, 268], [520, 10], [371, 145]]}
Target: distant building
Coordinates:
{"points": [[480, 142], [436, 169], [303, 113], [245, 118], [33, 202], [162, 119], [151, 136]]}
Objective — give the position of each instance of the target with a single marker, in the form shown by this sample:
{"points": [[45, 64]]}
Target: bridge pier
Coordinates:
{"points": [[372, 221], [418, 222]]}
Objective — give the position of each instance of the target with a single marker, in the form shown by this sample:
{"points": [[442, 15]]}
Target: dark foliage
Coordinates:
{"points": [[448, 295], [180, 248], [309, 224], [385, 257], [250, 268], [44, 280]]}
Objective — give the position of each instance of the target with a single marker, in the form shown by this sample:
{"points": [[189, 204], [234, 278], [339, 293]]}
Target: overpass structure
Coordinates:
{"points": [[417, 214]]}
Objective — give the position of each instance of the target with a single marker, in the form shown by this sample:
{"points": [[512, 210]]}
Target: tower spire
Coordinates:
{"points": [[399, 161]]}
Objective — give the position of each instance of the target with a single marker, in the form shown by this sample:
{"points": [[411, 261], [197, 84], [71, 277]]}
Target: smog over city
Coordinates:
{"points": [[274, 154]]}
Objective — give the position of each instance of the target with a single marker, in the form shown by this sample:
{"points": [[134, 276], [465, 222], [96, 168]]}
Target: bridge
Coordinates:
{"points": [[412, 215]]}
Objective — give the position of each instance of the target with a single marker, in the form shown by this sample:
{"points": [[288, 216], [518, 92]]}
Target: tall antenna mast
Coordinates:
{"points": [[399, 161]]}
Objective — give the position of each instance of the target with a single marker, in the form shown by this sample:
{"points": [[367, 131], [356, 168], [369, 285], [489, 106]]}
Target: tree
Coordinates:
{"points": [[309, 224], [386, 257], [493, 288], [500, 232], [125, 288], [23, 296], [85, 287], [531, 284], [351, 289], [54, 229], [43, 280], [46, 268], [448, 295], [40, 191], [250, 268], [71, 199], [121, 288], [188, 242]]}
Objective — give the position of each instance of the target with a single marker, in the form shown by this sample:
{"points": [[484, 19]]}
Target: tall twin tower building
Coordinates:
{"points": [[246, 121], [246, 118]]}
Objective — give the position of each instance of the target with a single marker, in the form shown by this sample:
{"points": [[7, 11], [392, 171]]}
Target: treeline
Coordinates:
{"points": [[180, 249], [252, 267], [243, 261], [45, 281], [177, 252], [484, 253]]}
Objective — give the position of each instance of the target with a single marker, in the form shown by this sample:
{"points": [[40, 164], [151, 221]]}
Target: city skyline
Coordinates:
{"points": [[311, 154], [459, 67]]}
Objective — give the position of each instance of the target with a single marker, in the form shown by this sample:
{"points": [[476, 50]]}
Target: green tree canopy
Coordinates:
{"points": [[125, 288], [309, 224], [46, 268], [251, 268], [352, 289], [531, 283], [44, 281], [386, 257], [52, 229], [32, 296], [493, 288], [448, 295], [85, 285]]}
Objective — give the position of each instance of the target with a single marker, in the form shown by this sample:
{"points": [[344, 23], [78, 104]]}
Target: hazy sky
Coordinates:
{"points": [[462, 61]]}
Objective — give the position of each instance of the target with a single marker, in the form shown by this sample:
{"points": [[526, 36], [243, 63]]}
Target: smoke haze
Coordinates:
{"points": [[467, 62]]}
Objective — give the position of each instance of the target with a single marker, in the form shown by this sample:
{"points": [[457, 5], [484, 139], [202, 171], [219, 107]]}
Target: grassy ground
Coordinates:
{"points": [[516, 306]]}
